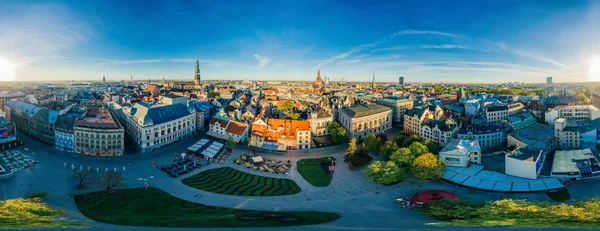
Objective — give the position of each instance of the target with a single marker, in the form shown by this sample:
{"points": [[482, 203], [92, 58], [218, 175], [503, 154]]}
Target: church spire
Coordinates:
{"points": [[197, 72], [373, 82]]}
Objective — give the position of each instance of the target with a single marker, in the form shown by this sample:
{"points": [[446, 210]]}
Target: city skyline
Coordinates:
{"points": [[489, 42]]}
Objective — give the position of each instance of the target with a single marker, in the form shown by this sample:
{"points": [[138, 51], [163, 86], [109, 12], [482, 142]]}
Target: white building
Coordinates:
{"points": [[154, 126], [568, 134], [527, 149], [461, 153], [496, 113], [472, 107], [319, 120], [439, 132], [578, 113], [222, 127]]}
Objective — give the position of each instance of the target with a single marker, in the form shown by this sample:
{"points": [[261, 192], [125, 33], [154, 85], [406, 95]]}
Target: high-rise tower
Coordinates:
{"points": [[401, 81], [103, 79], [197, 72]]}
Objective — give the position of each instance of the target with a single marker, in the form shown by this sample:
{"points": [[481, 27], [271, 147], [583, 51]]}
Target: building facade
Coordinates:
{"points": [[568, 134], [154, 126], [439, 132], [489, 137], [362, 120], [99, 134], [495, 114], [64, 134], [578, 113], [398, 105], [319, 120]]}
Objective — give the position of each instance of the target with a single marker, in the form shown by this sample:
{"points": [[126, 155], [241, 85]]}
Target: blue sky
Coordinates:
{"points": [[440, 41]]}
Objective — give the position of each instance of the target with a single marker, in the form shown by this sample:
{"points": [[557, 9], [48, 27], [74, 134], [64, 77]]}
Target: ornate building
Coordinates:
{"points": [[361, 120]]}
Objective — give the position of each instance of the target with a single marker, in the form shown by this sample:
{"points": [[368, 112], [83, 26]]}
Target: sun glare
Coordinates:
{"points": [[594, 74], [7, 70]]}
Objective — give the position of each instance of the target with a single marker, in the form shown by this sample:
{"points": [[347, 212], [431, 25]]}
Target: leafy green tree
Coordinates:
{"points": [[286, 107], [382, 137], [428, 167], [338, 133], [387, 149], [293, 116], [431, 146], [417, 148], [230, 144], [214, 94], [403, 157], [385, 172], [351, 156], [372, 142]]}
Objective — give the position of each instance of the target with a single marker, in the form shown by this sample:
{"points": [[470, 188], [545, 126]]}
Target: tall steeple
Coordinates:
{"points": [[197, 72], [373, 82]]}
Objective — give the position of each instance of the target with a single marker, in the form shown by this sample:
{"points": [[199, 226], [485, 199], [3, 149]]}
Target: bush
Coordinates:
{"points": [[451, 209]]}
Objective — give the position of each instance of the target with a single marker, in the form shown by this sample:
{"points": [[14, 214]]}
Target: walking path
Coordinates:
{"points": [[363, 204]]}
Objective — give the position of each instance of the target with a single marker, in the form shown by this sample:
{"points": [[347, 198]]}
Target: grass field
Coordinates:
{"points": [[157, 208], [234, 182], [313, 172]]}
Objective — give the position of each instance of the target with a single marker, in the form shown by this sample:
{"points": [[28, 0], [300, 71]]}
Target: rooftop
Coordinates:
{"points": [[564, 161], [365, 110], [536, 136], [97, 118]]}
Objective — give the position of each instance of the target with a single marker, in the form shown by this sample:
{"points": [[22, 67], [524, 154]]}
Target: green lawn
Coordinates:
{"points": [[31, 213], [233, 182], [312, 171], [157, 208]]}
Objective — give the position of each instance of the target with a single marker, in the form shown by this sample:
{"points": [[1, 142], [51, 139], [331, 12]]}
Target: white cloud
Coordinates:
{"points": [[374, 44], [526, 54], [262, 60], [392, 56], [444, 46], [429, 32]]}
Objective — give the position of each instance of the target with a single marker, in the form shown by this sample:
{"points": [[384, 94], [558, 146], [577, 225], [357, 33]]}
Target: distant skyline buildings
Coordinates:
{"points": [[82, 40]]}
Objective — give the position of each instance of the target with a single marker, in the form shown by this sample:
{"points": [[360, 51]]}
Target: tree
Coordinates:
{"points": [[286, 107], [403, 157], [111, 181], [214, 94], [387, 149], [431, 146], [85, 178], [351, 152], [230, 144], [338, 133], [372, 142], [293, 116], [382, 137], [417, 148], [385, 172], [428, 167]]}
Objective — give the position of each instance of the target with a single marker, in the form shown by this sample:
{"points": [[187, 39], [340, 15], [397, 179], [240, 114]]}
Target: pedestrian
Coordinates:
{"points": [[123, 168], [65, 164]]}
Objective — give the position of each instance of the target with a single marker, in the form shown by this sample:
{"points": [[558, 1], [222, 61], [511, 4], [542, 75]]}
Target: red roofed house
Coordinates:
{"points": [[280, 134]]}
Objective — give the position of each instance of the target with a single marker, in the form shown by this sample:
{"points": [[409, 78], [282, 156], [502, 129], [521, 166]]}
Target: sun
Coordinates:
{"points": [[7, 70], [594, 74]]}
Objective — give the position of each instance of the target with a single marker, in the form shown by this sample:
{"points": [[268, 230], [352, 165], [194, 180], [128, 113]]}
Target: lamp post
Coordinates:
{"points": [[332, 166]]}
